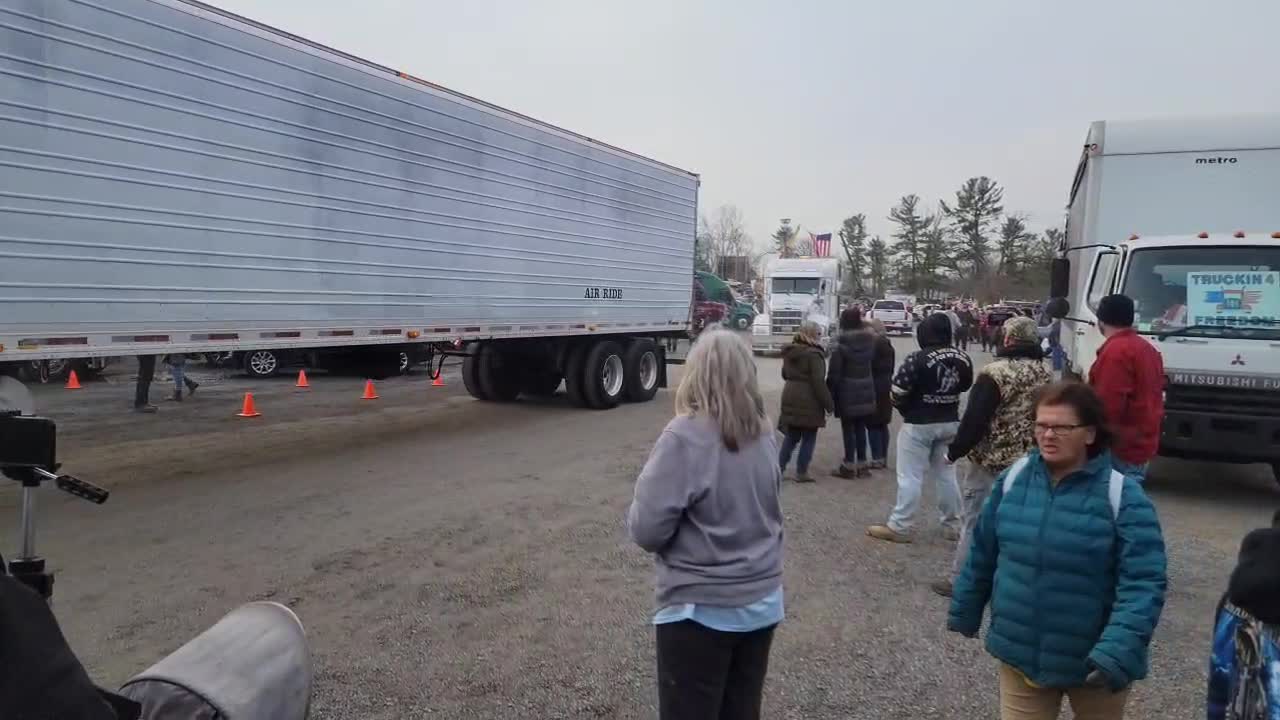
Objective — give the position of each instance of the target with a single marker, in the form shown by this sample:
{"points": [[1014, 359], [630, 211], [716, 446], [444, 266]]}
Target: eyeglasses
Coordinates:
{"points": [[1057, 430]]}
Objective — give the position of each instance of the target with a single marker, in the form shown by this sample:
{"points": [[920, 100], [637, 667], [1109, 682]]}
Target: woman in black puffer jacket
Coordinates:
{"points": [[853, 389]]}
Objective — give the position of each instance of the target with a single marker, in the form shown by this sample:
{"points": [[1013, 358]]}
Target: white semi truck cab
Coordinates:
{"points": [[1210, 303], [800, 289]]}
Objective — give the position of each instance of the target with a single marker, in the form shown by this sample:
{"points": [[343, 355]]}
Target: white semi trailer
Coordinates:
{"points": [[178, 179], [1181, 215]]}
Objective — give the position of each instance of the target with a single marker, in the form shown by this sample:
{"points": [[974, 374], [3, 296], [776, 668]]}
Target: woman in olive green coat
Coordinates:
{"points": [[806, 401]]}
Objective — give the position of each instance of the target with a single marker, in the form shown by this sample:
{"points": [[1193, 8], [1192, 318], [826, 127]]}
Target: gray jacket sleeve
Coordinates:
{"points": [[662, 495]]}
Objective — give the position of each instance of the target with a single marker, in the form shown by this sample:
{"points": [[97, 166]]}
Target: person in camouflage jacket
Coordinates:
{"points": [[996, 427]]}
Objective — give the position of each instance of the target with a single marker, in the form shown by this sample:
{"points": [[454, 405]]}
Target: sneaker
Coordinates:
{"points": [[862, 471], [950, 534], [846, 472], [878, 464], [941, 587], [888, 534], [148, 408], [804, 477]]}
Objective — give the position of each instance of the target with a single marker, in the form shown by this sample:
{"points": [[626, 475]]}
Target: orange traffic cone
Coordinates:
{"points": [[302, 379], [248, 410], [369, 393], [438, 381], [73, 382]]}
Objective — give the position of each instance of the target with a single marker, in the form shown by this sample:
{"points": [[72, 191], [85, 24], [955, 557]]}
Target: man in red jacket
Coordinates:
{"points": [[1129, 377]]}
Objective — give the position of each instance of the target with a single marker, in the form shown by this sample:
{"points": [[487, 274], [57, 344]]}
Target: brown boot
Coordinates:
{"points": [[888, 534]]}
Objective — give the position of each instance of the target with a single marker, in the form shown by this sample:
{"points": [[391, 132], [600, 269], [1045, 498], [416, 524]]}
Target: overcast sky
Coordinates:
{"points": [[816, 110]]}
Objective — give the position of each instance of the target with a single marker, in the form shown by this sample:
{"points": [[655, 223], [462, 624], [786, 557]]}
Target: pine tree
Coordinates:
{"points": [[975, 211], [853, 236], [878, 265], [1014, 246], [909, 250]]}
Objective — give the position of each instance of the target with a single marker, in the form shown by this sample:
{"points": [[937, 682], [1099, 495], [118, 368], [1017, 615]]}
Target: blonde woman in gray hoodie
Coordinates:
{"points": [[706, 505]]}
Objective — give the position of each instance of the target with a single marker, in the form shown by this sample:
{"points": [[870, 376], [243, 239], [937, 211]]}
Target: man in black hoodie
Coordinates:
{"points": [[926, 391]]}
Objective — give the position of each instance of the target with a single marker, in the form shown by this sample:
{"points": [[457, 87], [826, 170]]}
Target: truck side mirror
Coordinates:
{"points": [[1057, 308], [1059, 278]]}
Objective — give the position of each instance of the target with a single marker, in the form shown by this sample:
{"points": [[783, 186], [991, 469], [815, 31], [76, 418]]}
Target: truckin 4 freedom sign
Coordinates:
{"points": [[1242, 298]]}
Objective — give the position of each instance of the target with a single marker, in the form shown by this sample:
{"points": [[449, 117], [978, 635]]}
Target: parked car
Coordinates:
{"points": [[373, 362], [894, 315]]}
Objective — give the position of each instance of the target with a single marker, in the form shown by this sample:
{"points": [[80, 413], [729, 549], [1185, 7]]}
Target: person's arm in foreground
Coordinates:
{"points": [[662, 495], [819, 384], [1140, 585], [984, 399], [972, 589]]}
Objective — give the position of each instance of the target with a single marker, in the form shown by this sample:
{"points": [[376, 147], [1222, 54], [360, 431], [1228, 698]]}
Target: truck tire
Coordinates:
{"points": [[642, 372], [574, 380], [471, 376], [604, 375], [498, 376], [261, 363]]}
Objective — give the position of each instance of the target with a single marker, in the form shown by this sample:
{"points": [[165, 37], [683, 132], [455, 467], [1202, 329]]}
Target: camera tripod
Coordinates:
{"points": [[29, 568]]}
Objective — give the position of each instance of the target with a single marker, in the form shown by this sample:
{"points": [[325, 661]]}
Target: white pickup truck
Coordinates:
{"points": [[894, 315]]}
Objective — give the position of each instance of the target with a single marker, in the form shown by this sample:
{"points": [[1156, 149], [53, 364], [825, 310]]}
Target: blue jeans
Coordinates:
{"points": [[807, 439], [878, 439], [1137, 472], [855, 439], [922, 451]]}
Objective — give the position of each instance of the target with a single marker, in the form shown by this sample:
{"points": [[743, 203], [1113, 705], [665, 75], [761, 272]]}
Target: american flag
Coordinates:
{"points": [[821, 244]]}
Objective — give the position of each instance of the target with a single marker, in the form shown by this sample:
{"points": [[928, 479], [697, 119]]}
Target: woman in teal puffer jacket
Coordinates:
{"points": [[1070, 557]]}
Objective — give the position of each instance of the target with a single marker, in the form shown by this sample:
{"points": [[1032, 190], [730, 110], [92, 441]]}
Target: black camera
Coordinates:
{"points": [[28, 442]]}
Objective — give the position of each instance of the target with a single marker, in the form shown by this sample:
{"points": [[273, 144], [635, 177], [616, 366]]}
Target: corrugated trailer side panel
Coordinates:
{"points": [[165, 169]]}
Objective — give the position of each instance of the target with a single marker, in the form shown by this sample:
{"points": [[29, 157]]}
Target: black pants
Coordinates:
{"points": [[146, 373], [706, 674], [854, 432]]}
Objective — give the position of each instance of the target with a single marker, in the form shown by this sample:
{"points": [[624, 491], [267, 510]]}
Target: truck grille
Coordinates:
{"points": [[786, 322], [1232, 401]]}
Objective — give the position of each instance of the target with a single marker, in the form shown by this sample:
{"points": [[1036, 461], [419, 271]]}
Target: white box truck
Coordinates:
{"points": [[1181, 215], [178, 179], [796, 290]]}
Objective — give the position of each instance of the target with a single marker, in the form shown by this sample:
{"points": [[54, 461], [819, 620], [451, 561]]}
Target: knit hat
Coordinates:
{"points": [[1255, 583], [1020, 330], [1116, 311]]}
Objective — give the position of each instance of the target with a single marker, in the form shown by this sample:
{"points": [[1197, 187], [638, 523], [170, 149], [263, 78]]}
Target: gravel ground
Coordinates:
{"points": [[463, 560]]}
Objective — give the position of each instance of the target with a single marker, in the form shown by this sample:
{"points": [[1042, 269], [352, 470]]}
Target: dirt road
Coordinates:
{"points": [[464, 560]]}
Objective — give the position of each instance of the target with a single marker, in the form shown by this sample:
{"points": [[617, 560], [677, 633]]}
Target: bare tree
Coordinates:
{"points": [[976, 209], [721, 237]]}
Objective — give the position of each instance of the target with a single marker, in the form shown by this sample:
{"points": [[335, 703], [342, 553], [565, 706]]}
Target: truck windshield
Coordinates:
{"points": [[788, 286], [1206, 291]]}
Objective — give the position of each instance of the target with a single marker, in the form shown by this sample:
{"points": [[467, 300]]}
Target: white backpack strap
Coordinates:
{"points": [[1014, 471], [1115, 488]]}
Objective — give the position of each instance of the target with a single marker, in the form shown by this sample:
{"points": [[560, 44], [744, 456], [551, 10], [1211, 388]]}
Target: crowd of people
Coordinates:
{"points": [[1039, 484]]}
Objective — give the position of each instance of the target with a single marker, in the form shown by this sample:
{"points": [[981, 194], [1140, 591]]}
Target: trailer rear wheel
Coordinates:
{"points": [[642, 371], [497, 374], [471, 376], [604, 375]]}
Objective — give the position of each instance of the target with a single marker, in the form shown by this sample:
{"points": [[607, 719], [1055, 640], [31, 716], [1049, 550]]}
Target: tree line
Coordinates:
{"points": [[969, 246]]}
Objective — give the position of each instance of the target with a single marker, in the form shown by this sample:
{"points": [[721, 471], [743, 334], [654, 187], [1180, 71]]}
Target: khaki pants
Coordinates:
{"points": [[1020, 701]]}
